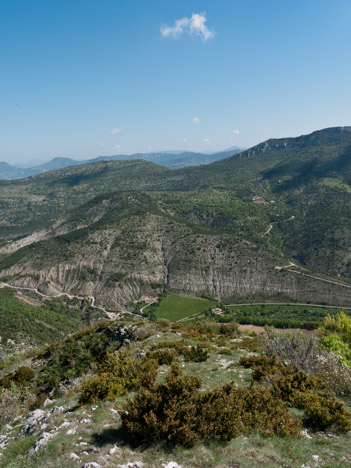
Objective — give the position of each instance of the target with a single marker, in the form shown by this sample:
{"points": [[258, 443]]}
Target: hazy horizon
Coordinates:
{"points": [[89, 78]]}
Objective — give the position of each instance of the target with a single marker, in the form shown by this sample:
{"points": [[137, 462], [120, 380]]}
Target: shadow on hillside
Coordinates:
{"points": [[117, 436], [109, 436], [305, 172]]}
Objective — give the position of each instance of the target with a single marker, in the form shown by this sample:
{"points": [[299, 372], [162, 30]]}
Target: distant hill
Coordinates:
{"points": [[227, 230], [170, 159]]}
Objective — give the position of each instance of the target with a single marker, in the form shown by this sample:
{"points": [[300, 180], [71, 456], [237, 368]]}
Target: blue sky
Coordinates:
{"points": [[75, 71]]}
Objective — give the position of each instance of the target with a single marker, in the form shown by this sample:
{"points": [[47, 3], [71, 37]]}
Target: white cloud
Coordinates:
{"points": [[117, 147], [207, 140], [115, 131], [236, 132], [102, 144], [196, 120], [194, 26]]}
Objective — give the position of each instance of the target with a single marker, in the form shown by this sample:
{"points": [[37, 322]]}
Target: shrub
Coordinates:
{"points": [[13, 401], [176, 411], [229, 330], [335, 344], [166, 411], [340, 324], [262, 366], [292, 382], [335, 374], [249, 343], [177, 346], [198, 354], [225, 351], [104, 386], [322, 412], [300, 390], [21, 377], [298, 348], [163, 356], [118, 373], [229, 411]]}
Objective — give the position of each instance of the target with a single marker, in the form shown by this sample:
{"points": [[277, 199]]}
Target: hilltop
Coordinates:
{"points": [[168, 395]]}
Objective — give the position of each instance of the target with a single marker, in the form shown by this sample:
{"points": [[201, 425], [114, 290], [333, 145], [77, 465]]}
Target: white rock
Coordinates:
{"points": [[315, 457], [74, 456], [44, 439], [171, 464], [91, 465], [64, 424], [54, 409], [304, 433], [32, 420], [113, 450], [3, 441], [47, 402], [71, 431]]}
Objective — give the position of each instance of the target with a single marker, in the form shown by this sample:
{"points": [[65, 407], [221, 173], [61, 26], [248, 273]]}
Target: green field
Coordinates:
{"points": [[175, 307], [281, 316], [335, 183]]}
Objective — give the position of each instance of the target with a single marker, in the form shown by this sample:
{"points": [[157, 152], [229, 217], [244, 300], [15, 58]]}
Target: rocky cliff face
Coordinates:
{"points": [[141, 255]]}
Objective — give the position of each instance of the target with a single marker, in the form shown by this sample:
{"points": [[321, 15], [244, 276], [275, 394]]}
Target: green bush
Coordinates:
{"points": [[301, 390], [21, 377], [104, 386], [322, 412], [195, 354], [163, 356], [166, 411], [229, 411], [248, 343], [292, 382], [334, 343], [262, 366], [340, 324], [117, 374], [177, 411]]}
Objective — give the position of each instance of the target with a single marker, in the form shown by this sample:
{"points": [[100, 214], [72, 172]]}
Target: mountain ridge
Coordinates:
{"points": [[218, 230], [170, 159]]}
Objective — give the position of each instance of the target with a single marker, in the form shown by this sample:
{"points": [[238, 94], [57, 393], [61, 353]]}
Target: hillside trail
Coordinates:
{"points": [[35, 290], [147, 305], [291, 264]]}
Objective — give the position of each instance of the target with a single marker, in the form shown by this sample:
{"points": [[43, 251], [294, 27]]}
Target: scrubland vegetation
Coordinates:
{"points": [[152, 388]]}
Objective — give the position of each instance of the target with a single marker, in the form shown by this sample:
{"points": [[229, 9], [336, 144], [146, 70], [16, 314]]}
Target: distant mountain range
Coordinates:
{"points": [[170, 159]]}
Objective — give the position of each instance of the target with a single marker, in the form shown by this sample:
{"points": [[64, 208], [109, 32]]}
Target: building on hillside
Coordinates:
{"points": [[146, 299]]}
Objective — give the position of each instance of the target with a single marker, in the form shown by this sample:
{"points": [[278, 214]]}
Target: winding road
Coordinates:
{"points": [[21, 288]]}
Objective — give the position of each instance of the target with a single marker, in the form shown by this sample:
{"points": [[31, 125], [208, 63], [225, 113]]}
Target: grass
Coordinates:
{"points": [[174, 307], [93, 440], [336, 183], [98, 427]]}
